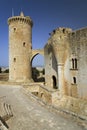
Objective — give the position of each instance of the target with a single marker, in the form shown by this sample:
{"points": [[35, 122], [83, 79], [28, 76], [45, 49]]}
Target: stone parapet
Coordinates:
{"points": [[26, 20]]}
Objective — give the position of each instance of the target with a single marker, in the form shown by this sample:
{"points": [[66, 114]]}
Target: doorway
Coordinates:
{"points": [[54, 82]]}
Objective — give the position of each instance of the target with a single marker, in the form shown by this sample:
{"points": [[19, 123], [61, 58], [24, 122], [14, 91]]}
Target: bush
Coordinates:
{"points": [[6, 71], [35, 74]]}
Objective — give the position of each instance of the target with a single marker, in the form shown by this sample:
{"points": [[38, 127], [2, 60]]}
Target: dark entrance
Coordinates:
{"points": [[54, 82]]}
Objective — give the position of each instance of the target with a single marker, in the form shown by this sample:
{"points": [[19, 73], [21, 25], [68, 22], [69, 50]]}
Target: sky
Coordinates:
{"points": [[46, 15]]}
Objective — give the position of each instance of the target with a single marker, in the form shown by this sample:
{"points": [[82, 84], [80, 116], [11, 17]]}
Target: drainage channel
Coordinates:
{"points": [[8, 114]]}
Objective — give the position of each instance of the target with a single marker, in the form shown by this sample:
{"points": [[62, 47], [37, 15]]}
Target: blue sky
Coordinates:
{"points": [[46, 15]]}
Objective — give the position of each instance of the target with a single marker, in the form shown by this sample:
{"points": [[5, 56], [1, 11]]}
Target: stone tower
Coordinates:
{"points": [[20, 48]]}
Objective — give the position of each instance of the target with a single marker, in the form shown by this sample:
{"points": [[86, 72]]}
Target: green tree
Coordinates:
{"points": [[43, 71], [35, 74], [6, 71]]}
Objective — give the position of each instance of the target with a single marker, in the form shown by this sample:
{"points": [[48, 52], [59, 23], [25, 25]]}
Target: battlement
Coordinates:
{"points": [[64, 30], [21, 18], [61, 30]]}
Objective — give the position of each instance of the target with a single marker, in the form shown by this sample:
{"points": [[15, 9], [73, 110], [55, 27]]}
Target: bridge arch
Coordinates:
{"points": [[37, 64], [36, 52]]}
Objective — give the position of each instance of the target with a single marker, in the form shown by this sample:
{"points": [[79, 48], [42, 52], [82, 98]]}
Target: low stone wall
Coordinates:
{"points": [[74, 106], [4, 76], [32, 87], [45, 95], [41, 92]]}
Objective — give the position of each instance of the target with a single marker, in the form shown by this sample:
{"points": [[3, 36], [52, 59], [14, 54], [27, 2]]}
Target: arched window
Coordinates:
{"points": [[72, 63], [75, 63]]}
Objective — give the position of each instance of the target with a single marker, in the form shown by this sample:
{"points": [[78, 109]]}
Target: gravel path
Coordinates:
{"points": [[30, 115]]}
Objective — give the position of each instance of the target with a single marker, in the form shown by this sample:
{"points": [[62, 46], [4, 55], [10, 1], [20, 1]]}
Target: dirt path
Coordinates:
{"points": [[30, 115]]}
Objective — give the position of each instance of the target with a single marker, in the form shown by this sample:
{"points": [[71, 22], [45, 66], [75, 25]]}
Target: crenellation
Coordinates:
{"points": [[61, 31], [26, 20]]}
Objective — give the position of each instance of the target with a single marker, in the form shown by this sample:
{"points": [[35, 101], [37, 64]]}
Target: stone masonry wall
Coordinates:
{"points": [[20, 42], [78, 50]]}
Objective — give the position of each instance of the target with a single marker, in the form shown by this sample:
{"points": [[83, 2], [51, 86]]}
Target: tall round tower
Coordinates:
{"points": [[20, 48]]}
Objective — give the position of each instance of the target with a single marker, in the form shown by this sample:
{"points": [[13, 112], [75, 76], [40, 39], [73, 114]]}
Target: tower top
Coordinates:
{"points": [[22, 14], [21, 18]]}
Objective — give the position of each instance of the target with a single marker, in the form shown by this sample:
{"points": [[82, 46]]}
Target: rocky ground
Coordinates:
{"points": [[28, 114]]}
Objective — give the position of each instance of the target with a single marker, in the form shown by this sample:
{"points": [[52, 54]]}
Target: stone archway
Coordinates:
{"points": [[35, 53], [37, 74]]}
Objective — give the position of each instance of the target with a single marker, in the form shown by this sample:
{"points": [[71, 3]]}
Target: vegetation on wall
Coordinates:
{"points": [[36, 75]]}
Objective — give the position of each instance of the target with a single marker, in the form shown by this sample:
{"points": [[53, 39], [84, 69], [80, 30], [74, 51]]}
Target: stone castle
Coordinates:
{"points": [[65, 63]]}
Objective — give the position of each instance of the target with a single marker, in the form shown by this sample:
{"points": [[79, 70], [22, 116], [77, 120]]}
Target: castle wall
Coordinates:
{"points": [[78, 50], [59, 42], [70, 51]]}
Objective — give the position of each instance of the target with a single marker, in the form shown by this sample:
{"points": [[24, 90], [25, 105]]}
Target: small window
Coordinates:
{"points": [[42, 94], [14, 29], [24, 44], [14, 59], [74, 80]]}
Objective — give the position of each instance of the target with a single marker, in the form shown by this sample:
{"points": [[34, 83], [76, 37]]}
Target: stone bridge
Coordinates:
{"points": [[36, 52]]}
